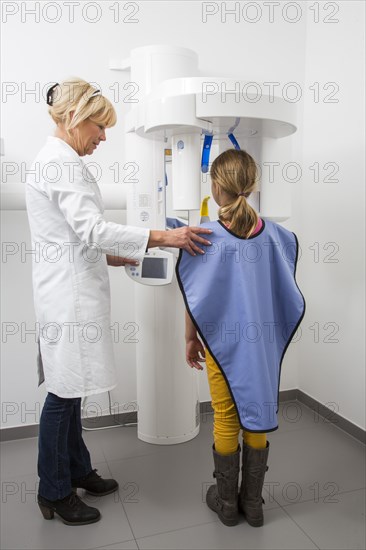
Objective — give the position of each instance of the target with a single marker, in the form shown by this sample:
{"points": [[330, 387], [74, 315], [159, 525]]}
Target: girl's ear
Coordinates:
{"points": [[216, 188]]}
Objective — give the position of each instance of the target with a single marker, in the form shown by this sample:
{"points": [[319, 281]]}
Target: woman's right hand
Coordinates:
{"points": [[183, 237]]}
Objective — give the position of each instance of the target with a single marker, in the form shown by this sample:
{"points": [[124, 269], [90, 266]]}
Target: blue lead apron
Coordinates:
{"points": [[243, 298]]}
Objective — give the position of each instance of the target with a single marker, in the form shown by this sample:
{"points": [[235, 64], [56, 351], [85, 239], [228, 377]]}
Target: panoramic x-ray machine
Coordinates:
{"points": [[194, 118]]}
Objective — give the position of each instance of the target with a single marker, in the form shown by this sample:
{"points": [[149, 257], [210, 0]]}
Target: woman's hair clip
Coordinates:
{"points": [[49, 94]]}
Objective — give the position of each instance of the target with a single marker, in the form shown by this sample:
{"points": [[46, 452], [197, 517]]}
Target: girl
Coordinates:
{"points": [[243, 303]]}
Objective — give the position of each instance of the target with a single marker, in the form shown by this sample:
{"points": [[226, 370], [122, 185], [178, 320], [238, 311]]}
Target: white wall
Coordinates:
{"points": [[277, 51], [334, 372]]}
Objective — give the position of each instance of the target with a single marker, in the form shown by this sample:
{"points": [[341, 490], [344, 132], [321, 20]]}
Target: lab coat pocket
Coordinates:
{"points": [[92, 293], [40, 371]]}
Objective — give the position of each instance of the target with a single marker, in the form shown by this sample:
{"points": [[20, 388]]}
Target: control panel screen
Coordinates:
{"points": [[154, 268]]}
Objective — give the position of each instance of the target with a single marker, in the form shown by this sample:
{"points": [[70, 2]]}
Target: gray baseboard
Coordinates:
{"points": [[331, 416], [19, 432], [23, 432]]}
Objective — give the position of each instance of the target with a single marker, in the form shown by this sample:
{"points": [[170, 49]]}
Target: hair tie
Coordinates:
{"points": [[241, 194], [49, 94]]}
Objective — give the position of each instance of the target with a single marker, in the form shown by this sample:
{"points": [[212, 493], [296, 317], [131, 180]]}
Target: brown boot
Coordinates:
{"points": [[223, 497], [254, 467]]}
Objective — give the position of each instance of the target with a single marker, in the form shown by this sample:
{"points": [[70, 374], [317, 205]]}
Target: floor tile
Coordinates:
{"points": [[314, 492], [119, 443], [166, 490], [128, 545], [95, 446], [337, 522], [293, 415], [19, 457], [279, 531], [307, 463], [23, 526]]}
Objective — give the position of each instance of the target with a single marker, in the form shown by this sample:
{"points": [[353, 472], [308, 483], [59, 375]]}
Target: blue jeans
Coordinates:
{"points": [[62, 453]]}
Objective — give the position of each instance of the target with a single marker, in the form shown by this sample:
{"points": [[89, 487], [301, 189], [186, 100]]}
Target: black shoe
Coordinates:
{"points": [[95, 484], [71, 510]]}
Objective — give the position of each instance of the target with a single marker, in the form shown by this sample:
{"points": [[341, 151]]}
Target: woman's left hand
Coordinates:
{"points": [[117, 261]]}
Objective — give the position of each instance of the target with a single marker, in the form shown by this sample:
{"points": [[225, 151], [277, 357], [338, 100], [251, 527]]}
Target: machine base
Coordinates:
{"points": [[156, 440]]}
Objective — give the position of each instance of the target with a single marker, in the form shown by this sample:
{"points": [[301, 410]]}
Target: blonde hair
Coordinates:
{"points": [[234, 172], [75, 95]]}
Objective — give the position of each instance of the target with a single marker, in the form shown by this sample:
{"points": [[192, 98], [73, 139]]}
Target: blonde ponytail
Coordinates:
{"points": [[235, 172]]}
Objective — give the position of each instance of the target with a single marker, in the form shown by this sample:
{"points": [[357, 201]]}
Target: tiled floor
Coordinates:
{"points": [[314, 492]]}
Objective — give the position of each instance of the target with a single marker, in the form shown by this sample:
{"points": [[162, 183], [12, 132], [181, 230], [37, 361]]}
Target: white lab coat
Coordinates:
{"points": [[70, 274]]}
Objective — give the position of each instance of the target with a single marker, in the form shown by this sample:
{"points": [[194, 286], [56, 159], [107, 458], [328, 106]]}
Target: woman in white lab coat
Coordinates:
{"points": [[73, 246]]}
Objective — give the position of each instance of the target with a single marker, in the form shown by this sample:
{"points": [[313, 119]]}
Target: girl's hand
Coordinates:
{"points": [[195, 353]]}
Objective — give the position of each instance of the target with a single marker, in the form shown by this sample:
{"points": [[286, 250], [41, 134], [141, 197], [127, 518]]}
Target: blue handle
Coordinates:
{"points": [[206, 153], [233, 141]]}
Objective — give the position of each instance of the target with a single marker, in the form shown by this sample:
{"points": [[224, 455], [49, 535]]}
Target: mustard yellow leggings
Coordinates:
{"points": [[226, 422]]}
